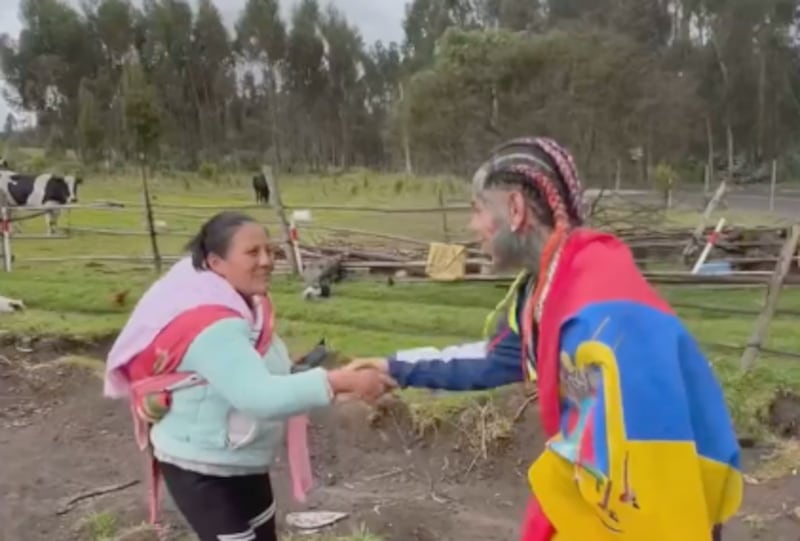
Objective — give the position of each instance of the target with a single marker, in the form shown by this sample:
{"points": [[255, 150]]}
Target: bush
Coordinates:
{"points": [[208, 171]]}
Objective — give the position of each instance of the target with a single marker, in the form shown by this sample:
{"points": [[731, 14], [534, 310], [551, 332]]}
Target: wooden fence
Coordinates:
{"points": [[293, 251]]}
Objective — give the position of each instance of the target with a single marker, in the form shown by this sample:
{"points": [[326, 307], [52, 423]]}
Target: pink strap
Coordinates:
{"points": [[299, 460]]}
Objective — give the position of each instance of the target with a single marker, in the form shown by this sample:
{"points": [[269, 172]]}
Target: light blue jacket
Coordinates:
{"points": [[235, 425]]}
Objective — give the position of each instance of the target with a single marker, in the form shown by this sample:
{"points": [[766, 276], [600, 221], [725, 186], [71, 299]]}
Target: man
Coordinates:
{"points": [[641, 445]]}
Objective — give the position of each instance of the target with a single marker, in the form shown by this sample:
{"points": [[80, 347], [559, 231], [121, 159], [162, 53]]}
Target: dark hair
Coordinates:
{"points": [[546, 172], [215, 236]]}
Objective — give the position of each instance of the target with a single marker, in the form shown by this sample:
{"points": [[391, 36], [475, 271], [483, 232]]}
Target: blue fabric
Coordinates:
{"points": [[467, 367]]}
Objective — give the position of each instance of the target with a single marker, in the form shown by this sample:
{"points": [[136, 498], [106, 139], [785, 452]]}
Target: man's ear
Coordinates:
{"points": [[518, 214]]}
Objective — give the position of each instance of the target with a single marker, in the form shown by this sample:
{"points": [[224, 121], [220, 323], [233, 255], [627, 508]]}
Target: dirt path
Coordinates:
{"points": [[59, 437]]}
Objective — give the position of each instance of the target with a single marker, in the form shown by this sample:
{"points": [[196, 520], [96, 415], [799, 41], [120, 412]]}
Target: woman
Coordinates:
{"points": [[211, 384]]}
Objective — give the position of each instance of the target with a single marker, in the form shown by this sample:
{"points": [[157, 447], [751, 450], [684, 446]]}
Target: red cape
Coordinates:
{"points": [[594, 267]]}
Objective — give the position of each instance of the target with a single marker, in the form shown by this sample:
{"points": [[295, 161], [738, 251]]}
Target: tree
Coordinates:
{"points": [[144, 124], [10, 125], [261, 37], [680, 79]]}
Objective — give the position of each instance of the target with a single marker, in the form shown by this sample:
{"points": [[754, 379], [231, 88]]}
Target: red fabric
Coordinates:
{"points": [[181, 332], [176, 338], [594, 267], [535, 526]]}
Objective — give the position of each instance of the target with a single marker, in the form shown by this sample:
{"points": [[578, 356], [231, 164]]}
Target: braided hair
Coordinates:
{"points": [[546, 173], [547, 176]]}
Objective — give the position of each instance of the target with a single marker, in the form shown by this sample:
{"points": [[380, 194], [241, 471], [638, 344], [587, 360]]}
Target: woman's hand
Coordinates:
{"points": [[366, 383]]}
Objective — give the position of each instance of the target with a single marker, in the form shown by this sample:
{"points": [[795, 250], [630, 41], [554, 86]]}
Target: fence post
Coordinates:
{"points": [[445, 228], [772, 182], [710, 243], [774, 286], [698, 232], [5, 227], [275, 197], [151, 228]]}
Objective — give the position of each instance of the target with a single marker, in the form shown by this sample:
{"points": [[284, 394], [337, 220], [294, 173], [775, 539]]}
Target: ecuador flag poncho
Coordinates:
{"points": [[642, 447]]}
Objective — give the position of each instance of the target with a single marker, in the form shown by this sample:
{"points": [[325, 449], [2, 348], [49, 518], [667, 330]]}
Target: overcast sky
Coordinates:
{"points": [[377, 19]]}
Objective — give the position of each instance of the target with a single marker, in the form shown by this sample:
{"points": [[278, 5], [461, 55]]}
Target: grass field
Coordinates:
{"points": [[362, 318]]}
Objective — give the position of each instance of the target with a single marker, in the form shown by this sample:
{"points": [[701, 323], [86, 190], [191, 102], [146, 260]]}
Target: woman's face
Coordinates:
{"points": [[249, 261]]}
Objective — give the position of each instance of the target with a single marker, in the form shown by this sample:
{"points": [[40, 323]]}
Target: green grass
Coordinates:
{"points": [[101, 526], [362, 318]]}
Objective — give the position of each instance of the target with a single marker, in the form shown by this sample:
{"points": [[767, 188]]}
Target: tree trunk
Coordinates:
{"points": [[762, 98], [710, 172], [405, 136]]}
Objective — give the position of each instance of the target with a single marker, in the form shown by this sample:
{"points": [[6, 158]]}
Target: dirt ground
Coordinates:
{"points": [[59, 437]]}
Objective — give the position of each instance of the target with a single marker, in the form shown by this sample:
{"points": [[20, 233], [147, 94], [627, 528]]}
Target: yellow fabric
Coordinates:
{"points": [[655, 490], [510, 300], [573, 499], [446, 262]]}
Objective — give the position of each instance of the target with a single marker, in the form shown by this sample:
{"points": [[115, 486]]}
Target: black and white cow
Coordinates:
{"points": [[47, 190], [261, 188]]}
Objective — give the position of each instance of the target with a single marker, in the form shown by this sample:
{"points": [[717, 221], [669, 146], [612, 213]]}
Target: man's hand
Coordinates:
{"points": [[367, 383], [376, 363]]}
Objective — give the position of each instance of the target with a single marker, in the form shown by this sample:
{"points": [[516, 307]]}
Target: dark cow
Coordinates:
{"points": [[48, 190], [261, 188]]}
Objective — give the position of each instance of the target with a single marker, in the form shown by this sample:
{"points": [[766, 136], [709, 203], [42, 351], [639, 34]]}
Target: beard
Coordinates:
{"points": [[512, 251]]}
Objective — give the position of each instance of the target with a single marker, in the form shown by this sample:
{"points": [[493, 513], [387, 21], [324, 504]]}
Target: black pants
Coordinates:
{"points": [[238, 508]]}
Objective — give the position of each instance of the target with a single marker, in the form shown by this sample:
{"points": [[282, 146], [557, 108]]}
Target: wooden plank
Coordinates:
{"points": [[5, 228], [277, 201], [761, 329], [698, 231]]}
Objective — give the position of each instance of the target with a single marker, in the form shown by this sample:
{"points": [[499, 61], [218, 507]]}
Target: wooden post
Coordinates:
{"points": [[698, 232], [5, 227], [277, 201], [618, 177], [670, 184], [445, 228], [404, 131], [761, 329], [706, 179], [712, 240], [773, 181], [151, 228]]}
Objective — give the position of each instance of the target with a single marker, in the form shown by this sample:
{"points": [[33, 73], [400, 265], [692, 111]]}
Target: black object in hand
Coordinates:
{"points": [[314, 358]]}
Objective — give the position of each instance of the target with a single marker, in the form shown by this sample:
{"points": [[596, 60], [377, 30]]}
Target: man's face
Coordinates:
{"points": [[484, 223], [506, 229]]}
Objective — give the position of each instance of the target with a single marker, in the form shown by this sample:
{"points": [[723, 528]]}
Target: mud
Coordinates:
{"points": [[60, 437]]}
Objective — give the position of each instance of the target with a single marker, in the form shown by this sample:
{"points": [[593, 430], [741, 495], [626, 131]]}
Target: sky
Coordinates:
{"points": [[376, 19]]}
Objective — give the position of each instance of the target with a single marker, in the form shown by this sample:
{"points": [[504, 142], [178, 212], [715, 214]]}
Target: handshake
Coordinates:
{"points": [[363, 379]]}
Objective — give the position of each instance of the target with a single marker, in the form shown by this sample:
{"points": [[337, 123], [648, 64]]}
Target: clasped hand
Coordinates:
{"points": [[364, 379]]}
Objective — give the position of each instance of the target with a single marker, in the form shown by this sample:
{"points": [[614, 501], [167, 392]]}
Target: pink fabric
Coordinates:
{"points": [[299, 460], [180, 289], [154, 384]]}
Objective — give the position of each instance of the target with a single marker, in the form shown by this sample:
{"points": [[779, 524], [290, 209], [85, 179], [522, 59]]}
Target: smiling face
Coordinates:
{"points": [[247, 262]]}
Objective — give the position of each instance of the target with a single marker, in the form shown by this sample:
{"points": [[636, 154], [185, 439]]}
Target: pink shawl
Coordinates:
{"points": [[180, 289]]}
